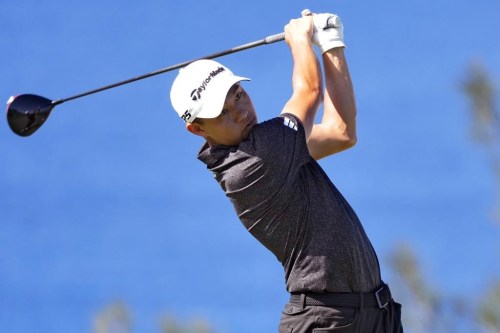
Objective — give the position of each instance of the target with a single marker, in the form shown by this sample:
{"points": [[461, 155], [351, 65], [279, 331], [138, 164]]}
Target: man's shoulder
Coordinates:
{"points": [[284, 124], [286, 119]]}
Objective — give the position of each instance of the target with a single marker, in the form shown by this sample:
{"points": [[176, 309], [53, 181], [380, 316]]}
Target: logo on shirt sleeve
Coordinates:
{"points": [[290, 122]]}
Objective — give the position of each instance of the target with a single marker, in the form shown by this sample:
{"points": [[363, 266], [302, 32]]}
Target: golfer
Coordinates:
{"points": [[282, 196]]}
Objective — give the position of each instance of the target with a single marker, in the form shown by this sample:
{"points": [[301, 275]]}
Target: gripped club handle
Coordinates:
{"points": [[333, 22]]}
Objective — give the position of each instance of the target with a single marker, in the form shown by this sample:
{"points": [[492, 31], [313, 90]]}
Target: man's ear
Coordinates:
{"points": [[195, 129]]}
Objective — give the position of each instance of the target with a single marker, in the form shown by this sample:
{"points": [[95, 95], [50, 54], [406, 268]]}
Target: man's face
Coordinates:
{"points": [[233, 124]]}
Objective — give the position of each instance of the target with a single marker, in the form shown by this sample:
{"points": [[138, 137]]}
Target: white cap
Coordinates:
{"points": [[200, 89]]}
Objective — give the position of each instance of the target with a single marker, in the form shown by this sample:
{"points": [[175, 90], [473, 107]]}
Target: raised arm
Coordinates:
{"points": [[306, 78], [337, 130]]}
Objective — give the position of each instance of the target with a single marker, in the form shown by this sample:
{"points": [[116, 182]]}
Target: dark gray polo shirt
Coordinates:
{"points": [[285, 200]]}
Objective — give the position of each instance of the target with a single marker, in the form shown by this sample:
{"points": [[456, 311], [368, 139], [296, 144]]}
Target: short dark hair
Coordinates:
{"points": [[198, 121]]}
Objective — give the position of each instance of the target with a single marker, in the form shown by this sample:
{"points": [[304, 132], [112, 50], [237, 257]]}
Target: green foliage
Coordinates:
{"points": [[479, 89], [170, 324], [489, 309], [425, 310], [115, 318]]}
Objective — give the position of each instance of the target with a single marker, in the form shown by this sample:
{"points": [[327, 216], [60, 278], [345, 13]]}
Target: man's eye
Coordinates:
{"points": [[238, 95]]}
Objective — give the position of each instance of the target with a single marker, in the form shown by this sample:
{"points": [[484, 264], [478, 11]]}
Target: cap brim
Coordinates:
{"points": [[212, 107]]}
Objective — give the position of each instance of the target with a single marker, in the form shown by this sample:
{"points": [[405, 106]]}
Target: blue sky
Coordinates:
{"points": [[107, 201]]}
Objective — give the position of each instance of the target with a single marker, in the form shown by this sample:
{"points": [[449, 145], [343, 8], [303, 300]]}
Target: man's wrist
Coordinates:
{"points": [[336, 51]]}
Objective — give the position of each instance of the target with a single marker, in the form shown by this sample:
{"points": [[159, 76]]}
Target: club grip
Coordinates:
{"points": [[333, 22], [275, 38]]}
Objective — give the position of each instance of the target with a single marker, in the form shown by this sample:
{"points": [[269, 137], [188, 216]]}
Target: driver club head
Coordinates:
{"points": [[27, 112]]}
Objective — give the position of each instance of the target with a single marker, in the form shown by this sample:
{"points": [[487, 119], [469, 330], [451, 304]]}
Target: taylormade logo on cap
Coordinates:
{"points": [[200, 89], [196, 94]]}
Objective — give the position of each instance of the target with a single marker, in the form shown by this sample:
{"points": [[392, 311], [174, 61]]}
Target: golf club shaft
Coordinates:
{"points": [[268, 40]]}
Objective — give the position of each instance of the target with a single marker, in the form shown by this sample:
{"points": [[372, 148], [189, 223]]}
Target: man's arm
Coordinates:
{"points": [[306, 79], [337, 130]]}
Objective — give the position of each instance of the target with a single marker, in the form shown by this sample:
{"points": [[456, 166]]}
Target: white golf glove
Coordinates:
{"points": [[324, 37]]}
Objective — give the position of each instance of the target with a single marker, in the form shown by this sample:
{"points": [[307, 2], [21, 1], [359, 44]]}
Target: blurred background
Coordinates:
{"points": [[108, 223]]}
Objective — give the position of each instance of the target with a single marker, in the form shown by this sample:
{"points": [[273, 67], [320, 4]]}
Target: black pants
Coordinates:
{"points": [[311, 319]]}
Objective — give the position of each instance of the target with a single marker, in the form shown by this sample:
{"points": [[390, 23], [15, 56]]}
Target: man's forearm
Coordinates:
{"points": [[306, 77], [339, 99], [337, 130]]}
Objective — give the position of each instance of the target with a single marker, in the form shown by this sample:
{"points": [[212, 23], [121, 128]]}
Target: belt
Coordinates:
{"points": [[377, 299]]}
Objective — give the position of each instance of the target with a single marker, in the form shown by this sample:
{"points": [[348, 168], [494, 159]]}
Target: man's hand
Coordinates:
{"points": [[299, 30], [324, 37]]}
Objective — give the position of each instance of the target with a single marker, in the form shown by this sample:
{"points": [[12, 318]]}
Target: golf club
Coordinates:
{"points": [[26, 113]]}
